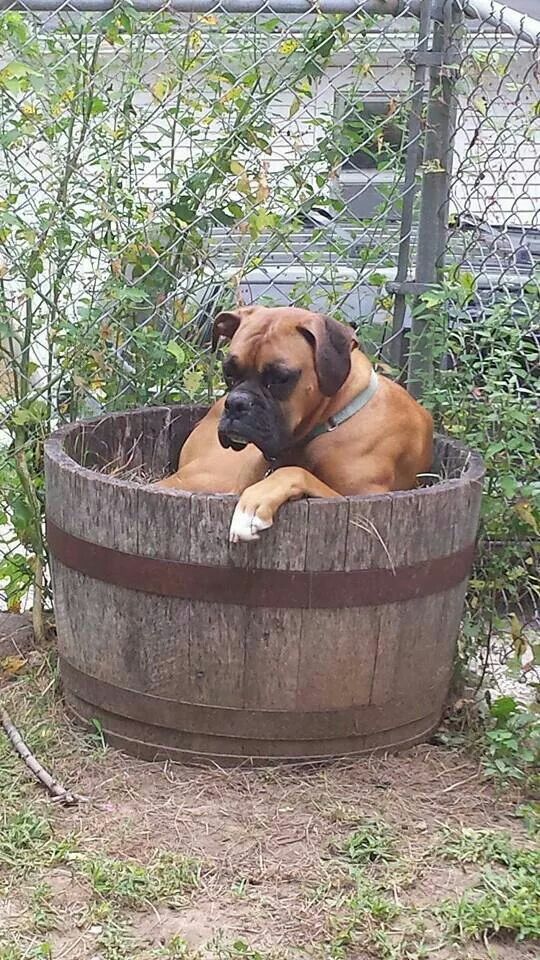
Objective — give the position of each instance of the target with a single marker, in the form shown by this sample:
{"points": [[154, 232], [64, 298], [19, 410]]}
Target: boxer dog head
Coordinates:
{"points": [[283, 365]]}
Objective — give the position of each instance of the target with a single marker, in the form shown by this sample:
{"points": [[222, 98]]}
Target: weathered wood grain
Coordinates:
{"points": [[326, 634], [238, 683], [273, 637], [217, 634]]}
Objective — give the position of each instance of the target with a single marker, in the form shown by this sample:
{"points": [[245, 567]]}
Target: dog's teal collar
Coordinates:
{"points": [[337, 419], [356, 404]]}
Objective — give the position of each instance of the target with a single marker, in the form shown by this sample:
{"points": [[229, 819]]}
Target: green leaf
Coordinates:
{"points": [[17, 69], [11, 136], [192, 382], [176, 351], [508, 485], [183, 209], [98, 106], [221, 217], [20, 417], [294, 107], [503, 707], [22, 514]]}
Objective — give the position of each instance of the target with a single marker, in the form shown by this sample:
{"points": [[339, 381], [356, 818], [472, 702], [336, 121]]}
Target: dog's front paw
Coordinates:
{"points": [[246, 524]]}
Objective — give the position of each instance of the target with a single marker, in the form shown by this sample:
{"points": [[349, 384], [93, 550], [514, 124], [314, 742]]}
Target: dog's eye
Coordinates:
{"points": [[279, 381], [275, 378], [230, 373]]}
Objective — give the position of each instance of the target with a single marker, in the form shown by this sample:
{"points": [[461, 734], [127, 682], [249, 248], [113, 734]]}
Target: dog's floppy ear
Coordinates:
{"points": [[332, 343], [225, 325]]}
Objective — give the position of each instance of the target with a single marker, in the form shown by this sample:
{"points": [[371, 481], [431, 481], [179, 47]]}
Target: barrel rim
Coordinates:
{"points": [[473, 471]]}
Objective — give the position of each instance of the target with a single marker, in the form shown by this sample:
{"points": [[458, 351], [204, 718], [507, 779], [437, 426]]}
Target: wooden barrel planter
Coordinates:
{"points": [[333, 635]]}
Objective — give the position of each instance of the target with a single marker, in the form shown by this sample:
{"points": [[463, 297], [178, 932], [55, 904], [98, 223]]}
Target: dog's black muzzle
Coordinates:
{"points": [[251, 415]]}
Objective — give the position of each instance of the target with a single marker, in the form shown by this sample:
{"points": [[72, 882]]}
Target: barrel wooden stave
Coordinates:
{"points": [[284, 665]]}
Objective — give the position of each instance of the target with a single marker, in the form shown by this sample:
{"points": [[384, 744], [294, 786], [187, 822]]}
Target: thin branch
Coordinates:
{"points": [[487, 656], [55, 789]]}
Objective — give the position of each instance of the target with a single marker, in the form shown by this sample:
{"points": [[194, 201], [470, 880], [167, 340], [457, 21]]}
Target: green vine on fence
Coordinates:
{"points": [[127, 142]]}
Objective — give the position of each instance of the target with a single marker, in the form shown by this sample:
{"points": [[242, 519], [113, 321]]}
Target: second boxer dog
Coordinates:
{"points": [[305, 415]]}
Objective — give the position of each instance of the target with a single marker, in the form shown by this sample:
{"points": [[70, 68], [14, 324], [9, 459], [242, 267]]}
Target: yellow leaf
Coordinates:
{"points": [[365, 69], [237, 168], [243, 185], [516, 627], [12, 665], [294, 107], [30, 111], [180, 313], [233, 94], [263, 190], [160, 89], [289, 46], [192, 382], [525, 513]]}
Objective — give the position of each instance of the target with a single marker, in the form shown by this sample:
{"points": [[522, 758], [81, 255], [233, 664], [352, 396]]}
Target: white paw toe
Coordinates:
{"points": [[246, 526]]}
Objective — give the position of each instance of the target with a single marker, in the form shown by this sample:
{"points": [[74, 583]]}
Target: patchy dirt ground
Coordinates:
{"points": [[385, 858]]}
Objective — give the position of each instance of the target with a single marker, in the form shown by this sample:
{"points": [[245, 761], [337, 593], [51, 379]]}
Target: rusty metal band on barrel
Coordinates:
{"points": [[146, 711], [290, 589]]}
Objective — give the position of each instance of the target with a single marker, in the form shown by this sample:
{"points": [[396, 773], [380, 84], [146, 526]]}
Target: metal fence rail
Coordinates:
{"points": [[157, 162]]}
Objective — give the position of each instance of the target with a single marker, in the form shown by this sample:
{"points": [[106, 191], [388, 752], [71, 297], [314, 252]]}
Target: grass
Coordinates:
{"points": [[176, 949], [372, 842], [44, 917], [28, 843], [498, 904], [167, 878], [504, 901], [37, 951], [172, 863], [476, 846], [360, 916]]}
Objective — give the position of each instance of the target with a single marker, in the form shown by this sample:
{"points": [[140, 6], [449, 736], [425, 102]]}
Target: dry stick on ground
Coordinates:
{"points": [[55, 789]]}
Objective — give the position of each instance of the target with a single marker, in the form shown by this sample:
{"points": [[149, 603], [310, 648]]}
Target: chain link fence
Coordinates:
{"points": [[373, 160]]}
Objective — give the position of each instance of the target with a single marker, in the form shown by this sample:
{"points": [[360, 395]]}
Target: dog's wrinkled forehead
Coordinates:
{"points": [[264, 335]]}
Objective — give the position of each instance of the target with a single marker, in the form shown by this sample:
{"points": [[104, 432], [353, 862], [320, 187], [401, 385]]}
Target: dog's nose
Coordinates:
{"points": [[237, 404]]}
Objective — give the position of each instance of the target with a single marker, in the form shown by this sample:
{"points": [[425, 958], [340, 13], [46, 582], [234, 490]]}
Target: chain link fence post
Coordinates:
{"points": [[395, 346], [436, 168]]}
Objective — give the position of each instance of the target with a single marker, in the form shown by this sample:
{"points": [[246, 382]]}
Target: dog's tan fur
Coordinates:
{"points": [[382, 447]]}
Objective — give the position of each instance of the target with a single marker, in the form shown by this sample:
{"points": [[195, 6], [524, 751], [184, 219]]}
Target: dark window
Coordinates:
{"points": [[372, 131]]}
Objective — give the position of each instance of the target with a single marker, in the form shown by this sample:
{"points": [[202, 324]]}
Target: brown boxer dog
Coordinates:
{"points": [[305, 415]]}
